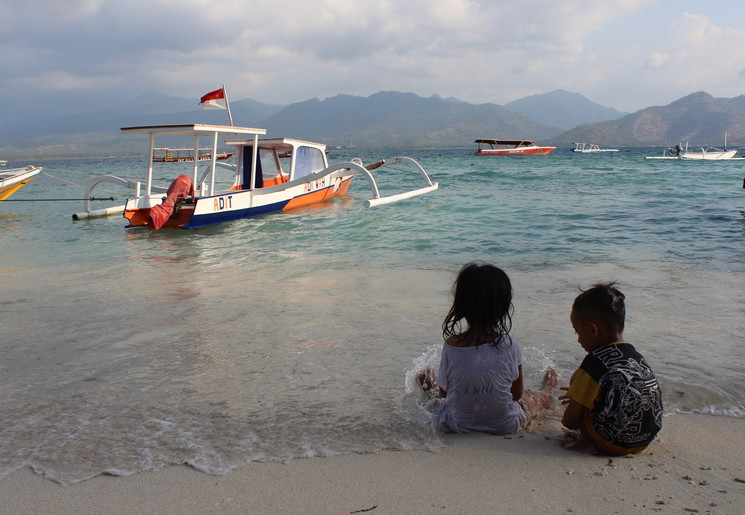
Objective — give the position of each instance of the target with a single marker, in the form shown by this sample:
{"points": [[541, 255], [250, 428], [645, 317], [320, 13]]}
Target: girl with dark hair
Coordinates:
{"points": [[480, 374]]}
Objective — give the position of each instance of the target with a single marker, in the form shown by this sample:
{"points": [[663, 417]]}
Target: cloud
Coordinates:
{"points": [[657, 60], [697, 52], [476, 50]]}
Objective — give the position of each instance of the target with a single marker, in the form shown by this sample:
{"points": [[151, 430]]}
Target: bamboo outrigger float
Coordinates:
{"points": [[261, 182]]}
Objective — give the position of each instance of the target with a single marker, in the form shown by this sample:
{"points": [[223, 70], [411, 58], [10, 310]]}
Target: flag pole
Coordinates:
{"points": [[227, 104]]}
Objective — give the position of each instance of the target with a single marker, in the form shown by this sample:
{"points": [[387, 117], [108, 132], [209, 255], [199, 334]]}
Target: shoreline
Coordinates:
{"points": [[696, 465]]}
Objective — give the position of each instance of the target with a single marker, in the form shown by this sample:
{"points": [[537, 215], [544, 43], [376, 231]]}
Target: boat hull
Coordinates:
{"points": [[237, 204], [709, 155], [13, 180]]}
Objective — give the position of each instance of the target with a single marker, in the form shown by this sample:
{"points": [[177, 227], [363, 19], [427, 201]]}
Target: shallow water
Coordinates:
{"points": [[297, 334]]}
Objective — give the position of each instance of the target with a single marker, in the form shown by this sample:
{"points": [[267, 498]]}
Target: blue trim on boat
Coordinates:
{"points": [[210, 219]]}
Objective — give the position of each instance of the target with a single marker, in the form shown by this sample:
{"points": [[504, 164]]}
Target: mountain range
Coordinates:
{"points": [[698, 118], [390, 119], [562, 109]]}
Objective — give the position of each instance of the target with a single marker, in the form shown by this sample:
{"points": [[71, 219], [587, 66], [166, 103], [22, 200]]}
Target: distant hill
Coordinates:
{"points": [[98, 133], [396, 119], [562, 109], [385, 119], [698, 118]]}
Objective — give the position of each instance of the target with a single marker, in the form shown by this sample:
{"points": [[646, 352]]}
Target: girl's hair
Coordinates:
{"points": [[603, 303], [482, 295]]}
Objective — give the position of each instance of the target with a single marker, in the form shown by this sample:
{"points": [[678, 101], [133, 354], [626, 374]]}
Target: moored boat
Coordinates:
{"points": [[504, 147], [180, 155], [13, 179], [703, 153], [259, 182], [708, 153]]}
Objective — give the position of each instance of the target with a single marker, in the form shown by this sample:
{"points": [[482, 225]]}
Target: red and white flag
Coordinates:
{"points": [[214, 100]]}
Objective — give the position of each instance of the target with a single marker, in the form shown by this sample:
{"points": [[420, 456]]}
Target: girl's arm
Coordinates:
{"points": [[517, 385]]}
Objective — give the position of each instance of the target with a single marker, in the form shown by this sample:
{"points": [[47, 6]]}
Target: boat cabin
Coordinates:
{"points": [[504, 143], [278, 160]]}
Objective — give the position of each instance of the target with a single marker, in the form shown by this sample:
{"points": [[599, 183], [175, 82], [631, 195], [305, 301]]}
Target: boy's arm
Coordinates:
{"points": [[573, 414], [582, 386]]}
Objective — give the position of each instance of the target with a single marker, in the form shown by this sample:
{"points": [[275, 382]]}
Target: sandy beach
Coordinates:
{"points": [[697, 465]]}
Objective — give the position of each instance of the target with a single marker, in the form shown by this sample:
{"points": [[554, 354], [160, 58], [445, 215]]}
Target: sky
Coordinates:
{"points": [[72, 55]]}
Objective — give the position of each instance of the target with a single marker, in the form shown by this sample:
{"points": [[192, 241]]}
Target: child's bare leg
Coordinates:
{"points": [[585, 443], [541, 399]]}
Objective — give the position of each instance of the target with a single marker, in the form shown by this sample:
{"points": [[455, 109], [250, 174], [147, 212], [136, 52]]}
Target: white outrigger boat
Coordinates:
{"points": [[13, 179], [260, 182], [707, 154], [591, 148]]}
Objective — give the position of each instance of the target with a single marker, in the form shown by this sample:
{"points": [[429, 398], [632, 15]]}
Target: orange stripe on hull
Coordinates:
{"points": [[533, 151], [137, 217], [318, 196]]}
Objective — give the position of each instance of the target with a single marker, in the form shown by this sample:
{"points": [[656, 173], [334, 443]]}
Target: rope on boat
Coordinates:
{"points": [[74, 171], [74, 183]]}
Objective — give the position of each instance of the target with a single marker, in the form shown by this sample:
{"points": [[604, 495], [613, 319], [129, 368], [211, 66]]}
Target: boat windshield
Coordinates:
{"points": [[308, 160], [269, 165]]}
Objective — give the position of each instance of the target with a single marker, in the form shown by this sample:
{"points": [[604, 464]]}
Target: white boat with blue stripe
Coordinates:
{"points": [[267, 175]]}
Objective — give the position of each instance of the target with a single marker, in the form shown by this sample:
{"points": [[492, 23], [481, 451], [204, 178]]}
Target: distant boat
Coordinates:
{"points": [[505, 147], [182, 155], [13, 179], [591, 148], [708, 153], [3, 162]]}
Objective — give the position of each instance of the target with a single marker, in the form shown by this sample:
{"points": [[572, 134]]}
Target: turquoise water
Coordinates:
{"points": [[297, 334]]}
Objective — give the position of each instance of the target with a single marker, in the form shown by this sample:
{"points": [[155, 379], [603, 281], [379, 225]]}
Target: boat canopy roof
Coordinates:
{"points": [[515, 142], [193, 129], [280, 144]]}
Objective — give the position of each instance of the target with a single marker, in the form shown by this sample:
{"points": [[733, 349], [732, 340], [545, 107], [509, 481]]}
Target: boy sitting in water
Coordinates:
{"points": [[613, 398]]}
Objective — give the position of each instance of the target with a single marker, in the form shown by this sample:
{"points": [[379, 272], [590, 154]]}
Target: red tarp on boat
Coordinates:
{"points": [[181, 187]]}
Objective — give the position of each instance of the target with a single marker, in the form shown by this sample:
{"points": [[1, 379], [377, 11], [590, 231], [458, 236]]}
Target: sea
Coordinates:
{"points": [[298, 334]]}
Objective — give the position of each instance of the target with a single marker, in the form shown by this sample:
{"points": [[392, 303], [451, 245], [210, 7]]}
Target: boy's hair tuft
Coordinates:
{"points": [[602, 302]]}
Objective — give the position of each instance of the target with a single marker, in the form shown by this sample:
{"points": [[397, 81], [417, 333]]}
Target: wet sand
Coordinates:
{"points": [[697, 465]]}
